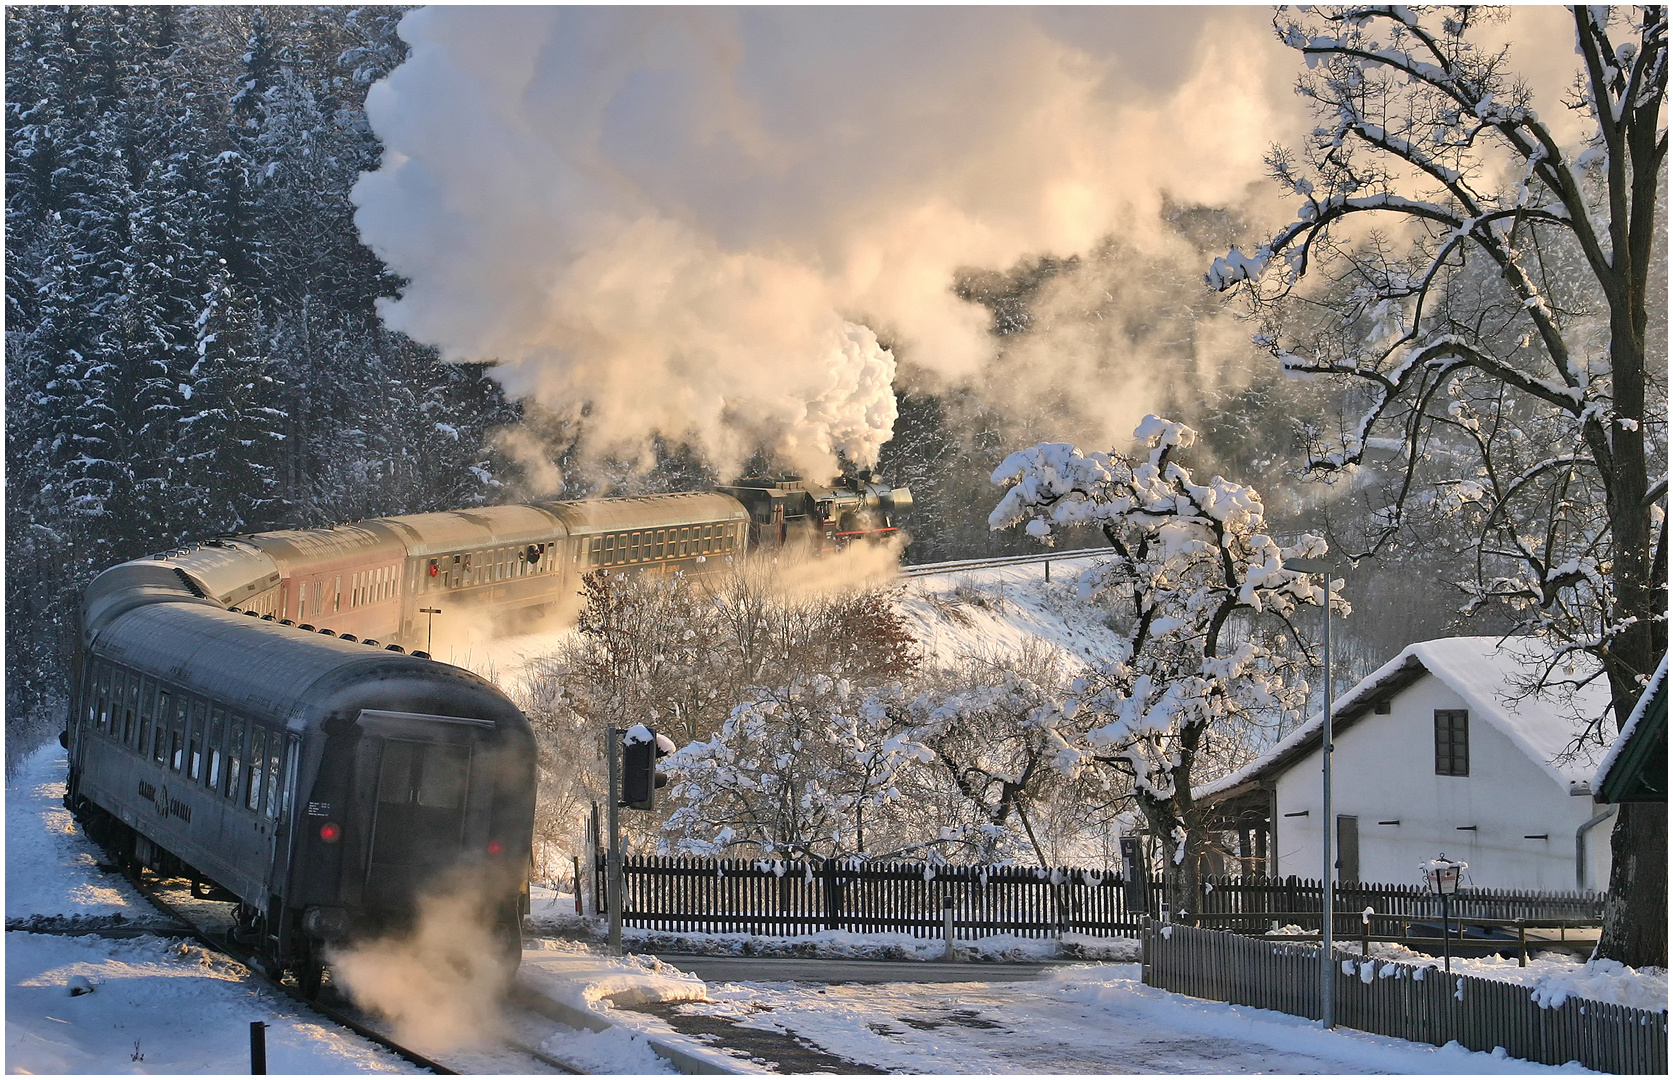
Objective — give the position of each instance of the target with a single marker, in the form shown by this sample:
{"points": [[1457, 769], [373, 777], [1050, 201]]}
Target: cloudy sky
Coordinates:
{"points": [[699, 221]]}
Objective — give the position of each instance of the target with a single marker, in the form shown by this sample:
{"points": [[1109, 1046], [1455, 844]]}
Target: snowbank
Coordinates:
{"points": [[52, 870], [158, 1007], [1554, 977]]}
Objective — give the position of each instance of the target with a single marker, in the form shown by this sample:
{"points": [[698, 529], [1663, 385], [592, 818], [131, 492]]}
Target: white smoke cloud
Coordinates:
{"points": [[691, 219]]}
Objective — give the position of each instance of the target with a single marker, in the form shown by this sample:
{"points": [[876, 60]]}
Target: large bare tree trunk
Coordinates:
{"points": [[1635, 916]]}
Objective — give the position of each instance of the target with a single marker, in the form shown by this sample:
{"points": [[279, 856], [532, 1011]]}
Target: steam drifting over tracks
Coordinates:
{"points": [[249, 960], [211, 933]]}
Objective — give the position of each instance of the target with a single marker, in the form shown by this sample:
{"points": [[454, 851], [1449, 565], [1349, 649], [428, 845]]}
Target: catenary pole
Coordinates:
{"points": [[614, 857], [1327, 975]]}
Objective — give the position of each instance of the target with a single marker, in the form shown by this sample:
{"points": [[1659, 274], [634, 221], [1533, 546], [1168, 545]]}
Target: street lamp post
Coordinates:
{"points": [[1327, 977], [430, 631], [1442, 873]]}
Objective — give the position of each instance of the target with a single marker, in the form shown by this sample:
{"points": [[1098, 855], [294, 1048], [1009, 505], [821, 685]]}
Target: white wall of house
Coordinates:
{"points": [[1384, 770]]}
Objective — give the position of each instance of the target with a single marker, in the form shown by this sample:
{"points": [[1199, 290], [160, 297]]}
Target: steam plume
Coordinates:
{"points": [[698, 220]]}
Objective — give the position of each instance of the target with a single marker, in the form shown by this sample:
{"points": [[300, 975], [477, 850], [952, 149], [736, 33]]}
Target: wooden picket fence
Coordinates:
{"points": [[1405, 1001], [788, 898], [805, 897]]}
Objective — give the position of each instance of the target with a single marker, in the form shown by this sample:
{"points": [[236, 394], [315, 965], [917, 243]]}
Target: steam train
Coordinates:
{"points": [[246, 713]]}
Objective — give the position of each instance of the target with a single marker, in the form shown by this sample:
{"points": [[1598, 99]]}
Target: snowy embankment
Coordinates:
{"points": [[1004, 610], [164, 1006]]}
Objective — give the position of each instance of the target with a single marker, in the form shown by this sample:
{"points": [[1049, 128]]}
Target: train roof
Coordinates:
{"points": [[324, 549], [469, 530], [265, 668], [673, 510], [226, 571]]}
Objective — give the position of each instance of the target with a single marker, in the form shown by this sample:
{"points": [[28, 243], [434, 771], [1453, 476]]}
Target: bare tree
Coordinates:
{"points": [[1485, 294]]}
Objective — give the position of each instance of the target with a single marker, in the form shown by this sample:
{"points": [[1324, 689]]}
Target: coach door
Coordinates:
{"points": [[425, 811]]}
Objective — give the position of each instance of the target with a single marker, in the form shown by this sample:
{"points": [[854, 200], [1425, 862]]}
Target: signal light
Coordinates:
{"points": [[640, 748], [330, 832], [493, 847]]}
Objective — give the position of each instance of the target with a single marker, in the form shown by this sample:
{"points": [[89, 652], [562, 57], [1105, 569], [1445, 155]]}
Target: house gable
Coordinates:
{"points": [[1509, 818]]}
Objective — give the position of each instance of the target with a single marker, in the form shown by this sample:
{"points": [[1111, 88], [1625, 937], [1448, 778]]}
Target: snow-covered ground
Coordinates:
{"points": [[165, 1006], [1005, 609], [1090, 1019]]}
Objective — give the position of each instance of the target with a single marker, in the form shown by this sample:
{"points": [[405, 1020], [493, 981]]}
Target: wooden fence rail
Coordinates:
{"points": [[803, 897], [1405, 1001]]}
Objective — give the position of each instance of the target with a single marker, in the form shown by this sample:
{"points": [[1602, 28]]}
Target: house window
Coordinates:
{"points": [[1452, 742]]}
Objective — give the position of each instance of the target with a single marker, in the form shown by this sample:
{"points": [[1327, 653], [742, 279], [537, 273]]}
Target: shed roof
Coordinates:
{"points": [[1488, 673], [1635, 768]]}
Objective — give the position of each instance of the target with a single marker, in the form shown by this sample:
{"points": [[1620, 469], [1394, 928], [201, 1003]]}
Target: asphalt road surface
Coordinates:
{"points": [[798, 969]]}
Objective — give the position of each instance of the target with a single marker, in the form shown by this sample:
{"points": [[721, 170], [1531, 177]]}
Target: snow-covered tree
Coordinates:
{"points": [[1489, 297], [228, 425], [989, 790], [1206, 606], [809, 769]]}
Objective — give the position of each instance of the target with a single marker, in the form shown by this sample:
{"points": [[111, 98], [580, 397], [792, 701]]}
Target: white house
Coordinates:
{"points": [[1435, 752]]}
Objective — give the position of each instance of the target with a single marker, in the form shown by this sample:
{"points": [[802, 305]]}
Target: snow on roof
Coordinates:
{"points": [[1488, 673], [1638, 711]]}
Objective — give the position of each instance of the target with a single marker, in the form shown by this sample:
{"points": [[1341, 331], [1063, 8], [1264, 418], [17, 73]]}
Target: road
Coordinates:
{"points": [[830, 972], [849, 1016]]}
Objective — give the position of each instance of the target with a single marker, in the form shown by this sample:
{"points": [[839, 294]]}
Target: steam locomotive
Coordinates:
{"points": [[246, 713]]}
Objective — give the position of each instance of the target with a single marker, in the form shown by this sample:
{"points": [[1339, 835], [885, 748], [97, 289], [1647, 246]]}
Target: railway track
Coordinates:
{"points": [[184, 925], [957, 565]]}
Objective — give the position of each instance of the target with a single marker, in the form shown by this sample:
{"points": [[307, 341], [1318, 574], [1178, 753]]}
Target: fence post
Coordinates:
{"points": [[832, 900], [258, 1048]]}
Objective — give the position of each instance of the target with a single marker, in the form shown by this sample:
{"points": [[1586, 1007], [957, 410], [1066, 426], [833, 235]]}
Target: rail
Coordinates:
{"points": [[957, 565]]}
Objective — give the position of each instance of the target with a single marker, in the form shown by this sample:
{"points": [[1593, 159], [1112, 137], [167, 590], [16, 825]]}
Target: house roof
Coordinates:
{"points": [[1486, 672], [1635, 768]]}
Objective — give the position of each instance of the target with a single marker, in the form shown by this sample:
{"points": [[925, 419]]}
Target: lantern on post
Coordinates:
{"points": [[1442, 875]]}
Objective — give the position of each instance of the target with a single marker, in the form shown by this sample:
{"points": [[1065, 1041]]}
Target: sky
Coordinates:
{"points": [[733, 226]]}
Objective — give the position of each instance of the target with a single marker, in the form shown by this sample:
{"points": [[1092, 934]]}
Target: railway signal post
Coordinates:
{"points": [[633, 782]]}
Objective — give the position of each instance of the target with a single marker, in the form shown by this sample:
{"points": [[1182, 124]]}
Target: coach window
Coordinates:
{"points": [[235, 757], [101, 695], [273, 761], [194, 738], [176, 714], [293, 752], [442, 773], [123, 696], [217, 740], [685, 541], [258, 754], [159, 728], [147, 706]]}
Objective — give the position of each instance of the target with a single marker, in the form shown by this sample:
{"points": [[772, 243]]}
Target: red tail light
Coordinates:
{"points": [[330, 832], [493, 847]]}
